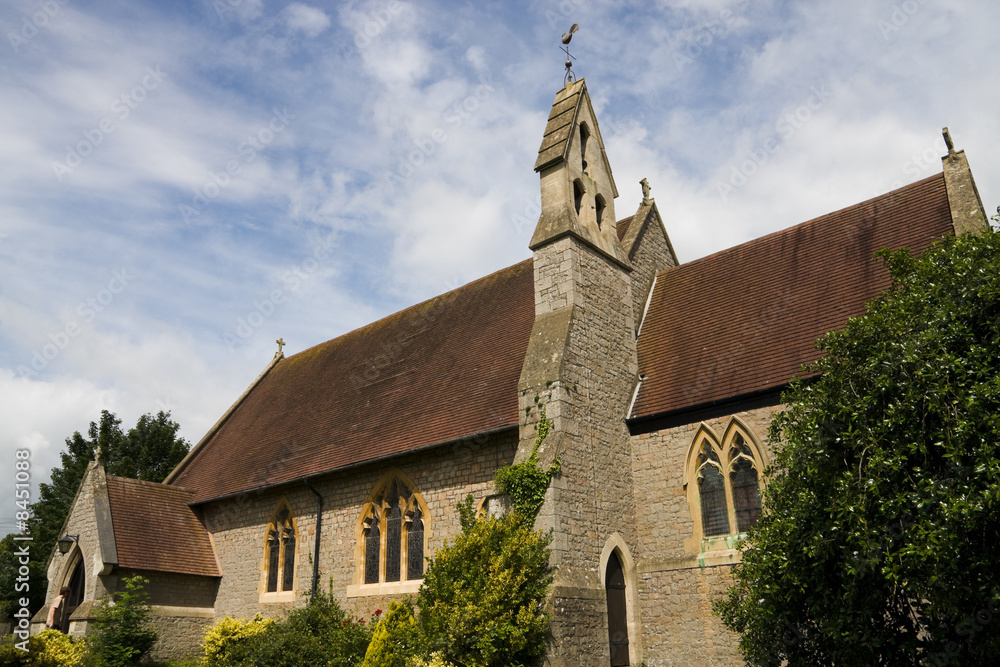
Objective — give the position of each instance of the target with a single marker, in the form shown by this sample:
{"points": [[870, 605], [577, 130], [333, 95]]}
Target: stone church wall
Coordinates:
{"points": [[444, 476], [676, 586]]}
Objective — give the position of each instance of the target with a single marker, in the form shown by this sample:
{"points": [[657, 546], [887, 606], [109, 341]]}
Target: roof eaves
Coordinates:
{"points": [[356, 464]]}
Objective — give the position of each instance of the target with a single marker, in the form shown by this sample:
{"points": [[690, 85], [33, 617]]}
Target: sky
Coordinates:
{"points": [[183, 183]]}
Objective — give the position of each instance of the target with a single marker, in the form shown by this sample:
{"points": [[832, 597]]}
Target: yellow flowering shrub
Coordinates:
{"points": [[436, 660], [225, 634]]}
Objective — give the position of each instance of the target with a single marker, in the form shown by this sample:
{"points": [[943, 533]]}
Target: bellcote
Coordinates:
{"points": [[578, 190]]}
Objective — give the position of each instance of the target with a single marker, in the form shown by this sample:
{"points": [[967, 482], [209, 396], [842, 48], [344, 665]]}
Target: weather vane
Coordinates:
{"points": [[569, 59]]}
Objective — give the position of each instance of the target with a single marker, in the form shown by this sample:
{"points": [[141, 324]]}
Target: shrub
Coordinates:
{"points": [[394, 639], [49, 648], [481, 600], [436, 660], [320, 633], [225, 639], [123, 635]]}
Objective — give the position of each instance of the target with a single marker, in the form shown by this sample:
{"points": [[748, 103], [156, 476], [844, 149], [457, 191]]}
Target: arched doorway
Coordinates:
{"points": [[614, 586], [77, 585]]}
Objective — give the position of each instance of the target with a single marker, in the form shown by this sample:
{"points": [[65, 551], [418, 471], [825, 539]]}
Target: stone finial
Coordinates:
{"points": [[97, 454], [281, 345], [645, 190], [967, 212]]}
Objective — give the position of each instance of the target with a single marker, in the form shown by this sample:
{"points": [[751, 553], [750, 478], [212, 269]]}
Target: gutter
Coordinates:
{"points": [[319, 532]]}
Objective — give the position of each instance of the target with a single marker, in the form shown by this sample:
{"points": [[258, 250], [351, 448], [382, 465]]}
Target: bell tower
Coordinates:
{"points": [[578, 190], [580, 367]]}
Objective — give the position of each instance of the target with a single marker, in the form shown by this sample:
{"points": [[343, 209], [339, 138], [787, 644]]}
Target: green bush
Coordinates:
{"points": [[436, 660], [123, 634], [223, 640], [395, 638], [49, 648], [320, 633], [482, 597]]}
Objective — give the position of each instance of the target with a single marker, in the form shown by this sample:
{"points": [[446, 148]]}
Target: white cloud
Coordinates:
{"points": [[309, 20]]}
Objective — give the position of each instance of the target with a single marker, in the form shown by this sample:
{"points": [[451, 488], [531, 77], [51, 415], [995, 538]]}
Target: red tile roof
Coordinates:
{"points": [[444, 369], [744, 320], [155, 529], [622, 226]]}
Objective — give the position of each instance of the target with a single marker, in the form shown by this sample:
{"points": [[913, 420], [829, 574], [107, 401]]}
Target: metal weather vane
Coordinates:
{"points": [[570, 76]]}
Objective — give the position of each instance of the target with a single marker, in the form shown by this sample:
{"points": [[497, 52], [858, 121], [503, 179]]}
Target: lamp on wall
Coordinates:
{"points": [[66, 543]]}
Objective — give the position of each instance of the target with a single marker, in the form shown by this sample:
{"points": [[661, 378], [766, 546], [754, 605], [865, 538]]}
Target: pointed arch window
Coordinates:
{"points": [[599, 205], [578, 195], [392, 534], [584, 136], [279, 551], [725, 493]]}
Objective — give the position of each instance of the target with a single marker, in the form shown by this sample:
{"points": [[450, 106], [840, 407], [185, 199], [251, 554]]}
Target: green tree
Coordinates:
{"points": [[123, 634], [481, 602], [148, 451], [878, 545], [395, 638]]}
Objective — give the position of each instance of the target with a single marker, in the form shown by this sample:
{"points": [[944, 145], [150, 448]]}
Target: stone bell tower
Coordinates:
{"points": [[581, 367]]}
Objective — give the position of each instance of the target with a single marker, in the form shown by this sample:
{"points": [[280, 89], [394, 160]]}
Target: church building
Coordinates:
{"points": [[341, 466]]}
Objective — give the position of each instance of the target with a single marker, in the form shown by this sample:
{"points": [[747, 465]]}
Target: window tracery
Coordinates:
{"points": [[393, 534], [280, 551], [725, 496]]}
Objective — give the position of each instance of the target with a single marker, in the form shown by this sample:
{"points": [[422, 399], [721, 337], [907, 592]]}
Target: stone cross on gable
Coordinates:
{"points": [[281, 344]]}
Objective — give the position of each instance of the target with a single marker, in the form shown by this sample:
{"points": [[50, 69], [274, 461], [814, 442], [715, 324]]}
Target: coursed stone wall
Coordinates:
{"points": [[676, 588]]}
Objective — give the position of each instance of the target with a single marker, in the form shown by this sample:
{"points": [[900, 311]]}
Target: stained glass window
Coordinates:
{"points": [[712, 490], [395, 507], [273, 559], [393, 535], [746, 489], [372, 544], [288, 571], [415, 547]]}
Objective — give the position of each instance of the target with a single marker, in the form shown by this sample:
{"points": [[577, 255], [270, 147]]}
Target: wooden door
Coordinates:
{"points": [[614, 583]]}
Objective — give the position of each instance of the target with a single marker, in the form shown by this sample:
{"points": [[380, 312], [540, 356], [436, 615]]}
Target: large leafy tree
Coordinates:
{"points": [[879, 545], [148, 451]]}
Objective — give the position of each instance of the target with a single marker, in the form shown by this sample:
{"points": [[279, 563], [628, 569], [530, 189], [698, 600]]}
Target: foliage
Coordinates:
{"points": [[123, 633], [878, 545], [48, 648], [149, 451], [221, 638], [394, 639], [525, 482], [436, 660], [481, 600], [320, 633]]}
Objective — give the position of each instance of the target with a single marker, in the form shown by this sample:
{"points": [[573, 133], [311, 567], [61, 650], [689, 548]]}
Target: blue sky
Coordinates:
{"points": [[182, 183]]}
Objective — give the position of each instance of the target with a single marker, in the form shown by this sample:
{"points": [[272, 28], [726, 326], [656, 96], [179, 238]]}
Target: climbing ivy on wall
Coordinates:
{"points": [[525, 483]]}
